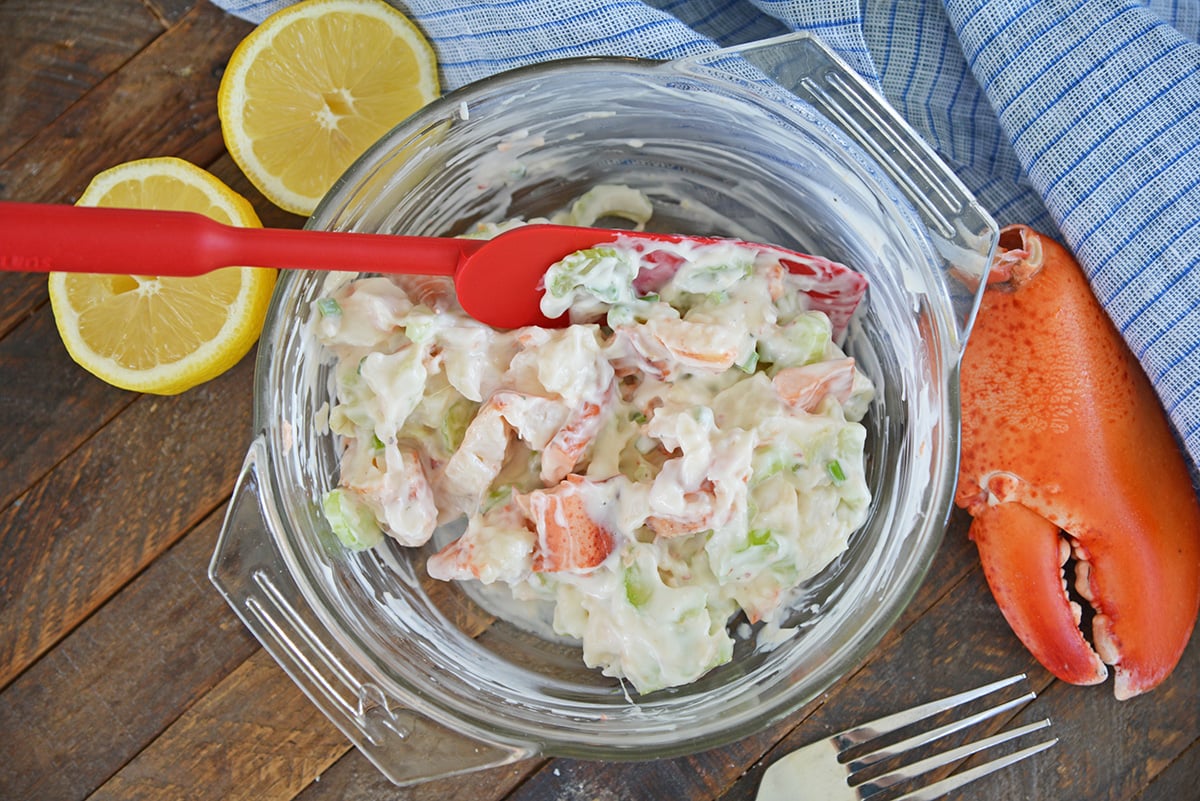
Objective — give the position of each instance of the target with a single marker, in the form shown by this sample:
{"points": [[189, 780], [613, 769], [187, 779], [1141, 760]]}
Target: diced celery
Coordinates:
{"points": [[454, 426], [580, 270], [620, 315], [770, 461], [610, 200], [712, 280], [638, 590], [748, 364], [495, 497], [351, 520], [645, 444], [798, 342], [421, 324], [329, 307]]}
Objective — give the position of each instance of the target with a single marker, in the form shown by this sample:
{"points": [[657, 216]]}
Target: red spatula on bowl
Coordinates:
{"points": [[498, 280]]}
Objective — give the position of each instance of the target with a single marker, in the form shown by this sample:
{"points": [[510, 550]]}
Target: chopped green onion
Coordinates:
{"points": [[328, 307], [835, 470], [759, 536]]}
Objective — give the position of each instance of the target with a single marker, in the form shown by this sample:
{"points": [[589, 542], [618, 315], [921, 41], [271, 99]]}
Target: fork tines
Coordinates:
{"points": [[863, 735]]}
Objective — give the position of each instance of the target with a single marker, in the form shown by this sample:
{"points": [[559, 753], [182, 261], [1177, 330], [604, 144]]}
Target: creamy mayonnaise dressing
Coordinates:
{"points": [[687, 449]]}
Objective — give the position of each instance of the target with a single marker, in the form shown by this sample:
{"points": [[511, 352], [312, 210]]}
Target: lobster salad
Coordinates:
{"points": [[688, 448]]}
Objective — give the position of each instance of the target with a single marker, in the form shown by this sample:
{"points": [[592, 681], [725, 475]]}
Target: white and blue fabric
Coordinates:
{"points": [[1080, 118]]}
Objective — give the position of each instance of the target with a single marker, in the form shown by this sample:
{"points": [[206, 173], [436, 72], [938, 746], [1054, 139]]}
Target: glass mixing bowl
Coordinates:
{"points": [[418, 673]]}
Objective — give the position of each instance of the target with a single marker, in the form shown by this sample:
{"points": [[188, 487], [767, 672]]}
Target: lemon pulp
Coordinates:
{"points": [[162, 335], [313, 86]]}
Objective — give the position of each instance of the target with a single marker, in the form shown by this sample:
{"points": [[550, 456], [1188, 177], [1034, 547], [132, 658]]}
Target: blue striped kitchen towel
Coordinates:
{"points": [[1078, 117]]}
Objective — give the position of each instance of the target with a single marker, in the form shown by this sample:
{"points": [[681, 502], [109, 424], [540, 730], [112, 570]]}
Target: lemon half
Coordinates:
{"points": [[162, 335], [313, 86]]}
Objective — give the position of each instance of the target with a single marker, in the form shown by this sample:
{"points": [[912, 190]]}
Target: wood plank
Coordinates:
{"points": [[55, 51], [53, 402], [20, 296], [121, 500], [128, 672], [255, 736], [169, 12], [163, 102], [354, 778], [1177, 780]]}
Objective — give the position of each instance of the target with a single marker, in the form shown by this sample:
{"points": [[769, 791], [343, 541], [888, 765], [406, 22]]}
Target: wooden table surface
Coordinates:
{"points": [[123, 674]]}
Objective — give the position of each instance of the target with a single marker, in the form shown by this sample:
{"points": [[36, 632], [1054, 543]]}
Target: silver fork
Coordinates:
{"points": [[821, 771]]}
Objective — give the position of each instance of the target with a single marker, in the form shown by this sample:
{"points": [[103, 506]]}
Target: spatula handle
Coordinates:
{"points": [[38, 237]]}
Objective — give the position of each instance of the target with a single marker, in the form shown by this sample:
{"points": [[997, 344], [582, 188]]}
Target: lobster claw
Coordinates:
{"points": [[1069, 464]]}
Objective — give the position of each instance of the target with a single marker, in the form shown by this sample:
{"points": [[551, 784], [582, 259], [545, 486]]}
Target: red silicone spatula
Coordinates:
{"points": [[497, 280]]}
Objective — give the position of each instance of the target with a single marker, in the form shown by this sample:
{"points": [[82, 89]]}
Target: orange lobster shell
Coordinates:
{"points": [[1067, 455]]}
